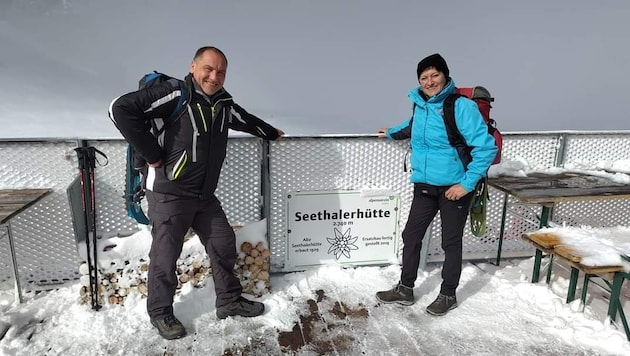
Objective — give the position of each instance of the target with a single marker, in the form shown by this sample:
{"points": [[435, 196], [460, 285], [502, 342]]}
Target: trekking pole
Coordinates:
{"points": [[83, 171], [87, 164], [92, 167]]}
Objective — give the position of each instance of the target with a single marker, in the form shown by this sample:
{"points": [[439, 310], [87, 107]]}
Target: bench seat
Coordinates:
{"points": [[573, 255]]}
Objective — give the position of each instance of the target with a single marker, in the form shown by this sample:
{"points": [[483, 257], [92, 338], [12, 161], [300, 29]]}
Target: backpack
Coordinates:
{"points": [[481, 96], [136, 165]]}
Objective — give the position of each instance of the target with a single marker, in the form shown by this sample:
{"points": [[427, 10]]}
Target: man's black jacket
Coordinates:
{"points": [[193, 144]]}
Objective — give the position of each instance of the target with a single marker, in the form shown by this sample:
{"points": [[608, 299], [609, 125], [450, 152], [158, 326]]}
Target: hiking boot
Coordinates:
{"points": [[442, 304], [169, 327], [400, 294], [242, 307]]}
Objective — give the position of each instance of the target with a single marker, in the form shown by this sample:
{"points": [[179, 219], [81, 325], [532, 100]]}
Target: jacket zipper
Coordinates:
{"points": [[203, 118], [179, 165], [213, 111], [195, 133]]}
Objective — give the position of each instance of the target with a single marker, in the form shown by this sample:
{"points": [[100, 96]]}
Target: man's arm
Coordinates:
{"points": [[246, 122], [132, 114]]}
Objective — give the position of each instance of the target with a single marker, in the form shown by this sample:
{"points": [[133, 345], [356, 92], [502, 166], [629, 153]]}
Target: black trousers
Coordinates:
{"points": [[427, 201], [171, 217]]}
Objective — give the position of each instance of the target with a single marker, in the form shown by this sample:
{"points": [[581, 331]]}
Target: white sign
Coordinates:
{"points": [[341, 227]]}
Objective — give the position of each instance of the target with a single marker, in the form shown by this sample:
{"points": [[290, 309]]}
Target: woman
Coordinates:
{"points": [[441, 182]]}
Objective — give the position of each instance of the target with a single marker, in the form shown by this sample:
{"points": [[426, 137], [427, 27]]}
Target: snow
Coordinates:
{"points": [[500, 311], [597, 247]]}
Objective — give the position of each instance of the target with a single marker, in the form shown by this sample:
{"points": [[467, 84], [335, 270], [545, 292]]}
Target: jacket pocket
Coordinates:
{"points": [[175, 171]]}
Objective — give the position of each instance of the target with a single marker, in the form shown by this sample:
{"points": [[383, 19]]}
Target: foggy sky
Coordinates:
{"points": [[316, 67]]}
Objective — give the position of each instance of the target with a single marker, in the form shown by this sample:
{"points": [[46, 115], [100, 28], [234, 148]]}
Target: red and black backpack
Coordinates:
{"points": [[482, 97]]}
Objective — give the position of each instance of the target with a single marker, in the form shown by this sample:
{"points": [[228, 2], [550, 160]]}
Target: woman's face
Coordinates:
{"points": [[431, 81]]}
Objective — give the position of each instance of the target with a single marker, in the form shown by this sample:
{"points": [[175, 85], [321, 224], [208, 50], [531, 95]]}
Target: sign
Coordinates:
{"points": [[341, 228]]}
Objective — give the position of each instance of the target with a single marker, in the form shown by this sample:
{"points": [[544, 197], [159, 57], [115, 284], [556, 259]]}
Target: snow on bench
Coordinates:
{"points": [[597, 252], [590, 249]]}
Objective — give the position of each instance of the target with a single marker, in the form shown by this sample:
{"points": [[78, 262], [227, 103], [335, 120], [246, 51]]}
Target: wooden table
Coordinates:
{"points": [[548, 189], [13, 202]]}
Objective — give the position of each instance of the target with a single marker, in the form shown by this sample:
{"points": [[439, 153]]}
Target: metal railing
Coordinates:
{"points": [[256, 178]]}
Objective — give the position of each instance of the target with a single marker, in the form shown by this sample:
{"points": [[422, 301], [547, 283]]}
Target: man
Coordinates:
{"points": [[183, 171]]}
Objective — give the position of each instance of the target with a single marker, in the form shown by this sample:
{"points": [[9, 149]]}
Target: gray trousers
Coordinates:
{"points": [[171, 217]]}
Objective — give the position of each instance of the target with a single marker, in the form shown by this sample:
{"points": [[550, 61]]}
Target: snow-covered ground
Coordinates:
{"points": [[328, 310], [332, 310]]}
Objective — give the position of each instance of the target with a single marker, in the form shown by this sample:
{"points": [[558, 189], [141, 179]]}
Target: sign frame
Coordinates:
{"points": [[341, 227]]}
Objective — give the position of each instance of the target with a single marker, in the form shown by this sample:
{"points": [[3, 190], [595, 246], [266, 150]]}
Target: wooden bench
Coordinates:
{"points": [[613, 276]]}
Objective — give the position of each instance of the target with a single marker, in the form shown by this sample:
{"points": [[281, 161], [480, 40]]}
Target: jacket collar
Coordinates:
{"points": [[221, 95], [416, 95]]}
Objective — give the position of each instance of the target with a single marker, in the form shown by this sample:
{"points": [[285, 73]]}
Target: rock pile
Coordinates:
{"points": [[123, 278]]}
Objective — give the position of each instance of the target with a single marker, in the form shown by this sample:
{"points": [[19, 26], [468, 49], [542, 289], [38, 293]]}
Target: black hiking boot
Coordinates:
{"points": [[169, 327], [242, 307], [400, 294], [442, 304]]}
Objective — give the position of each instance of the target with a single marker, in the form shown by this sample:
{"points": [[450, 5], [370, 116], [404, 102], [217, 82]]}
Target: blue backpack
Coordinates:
{"points": [[136, 165]]}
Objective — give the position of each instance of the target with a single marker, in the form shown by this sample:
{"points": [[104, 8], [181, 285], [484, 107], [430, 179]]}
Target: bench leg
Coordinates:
{"points": [[587, 278], [548, 279], [544, 218], [572, 284], [502, 230], [624, 321], [614, 296], [14, 264], [544, 215], [537, 261]]}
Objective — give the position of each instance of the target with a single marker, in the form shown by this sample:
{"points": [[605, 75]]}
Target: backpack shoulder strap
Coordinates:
{"points": [[183, 98], [179, 109], [454, 136]]}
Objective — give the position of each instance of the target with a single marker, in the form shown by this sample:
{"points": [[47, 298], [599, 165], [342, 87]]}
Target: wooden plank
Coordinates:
{"points": [[545, 240], [546, 250], [600, 269], [14, 201], [568, 252]]}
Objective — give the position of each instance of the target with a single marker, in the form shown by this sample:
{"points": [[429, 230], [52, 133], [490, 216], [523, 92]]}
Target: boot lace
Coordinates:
{"points": [[171, 321]]}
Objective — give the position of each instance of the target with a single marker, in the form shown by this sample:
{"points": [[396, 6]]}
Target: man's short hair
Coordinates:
{"points": [[202, 50]]}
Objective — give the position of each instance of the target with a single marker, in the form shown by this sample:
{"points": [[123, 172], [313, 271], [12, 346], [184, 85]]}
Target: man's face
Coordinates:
{"points": [[432, 81], [209, 71]]}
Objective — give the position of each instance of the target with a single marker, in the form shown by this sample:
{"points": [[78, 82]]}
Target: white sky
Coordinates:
{"points": [[500, 311], [313, 67]]}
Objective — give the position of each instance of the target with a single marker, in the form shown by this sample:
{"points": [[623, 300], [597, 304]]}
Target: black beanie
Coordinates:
{"points": [[434, 60]]}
